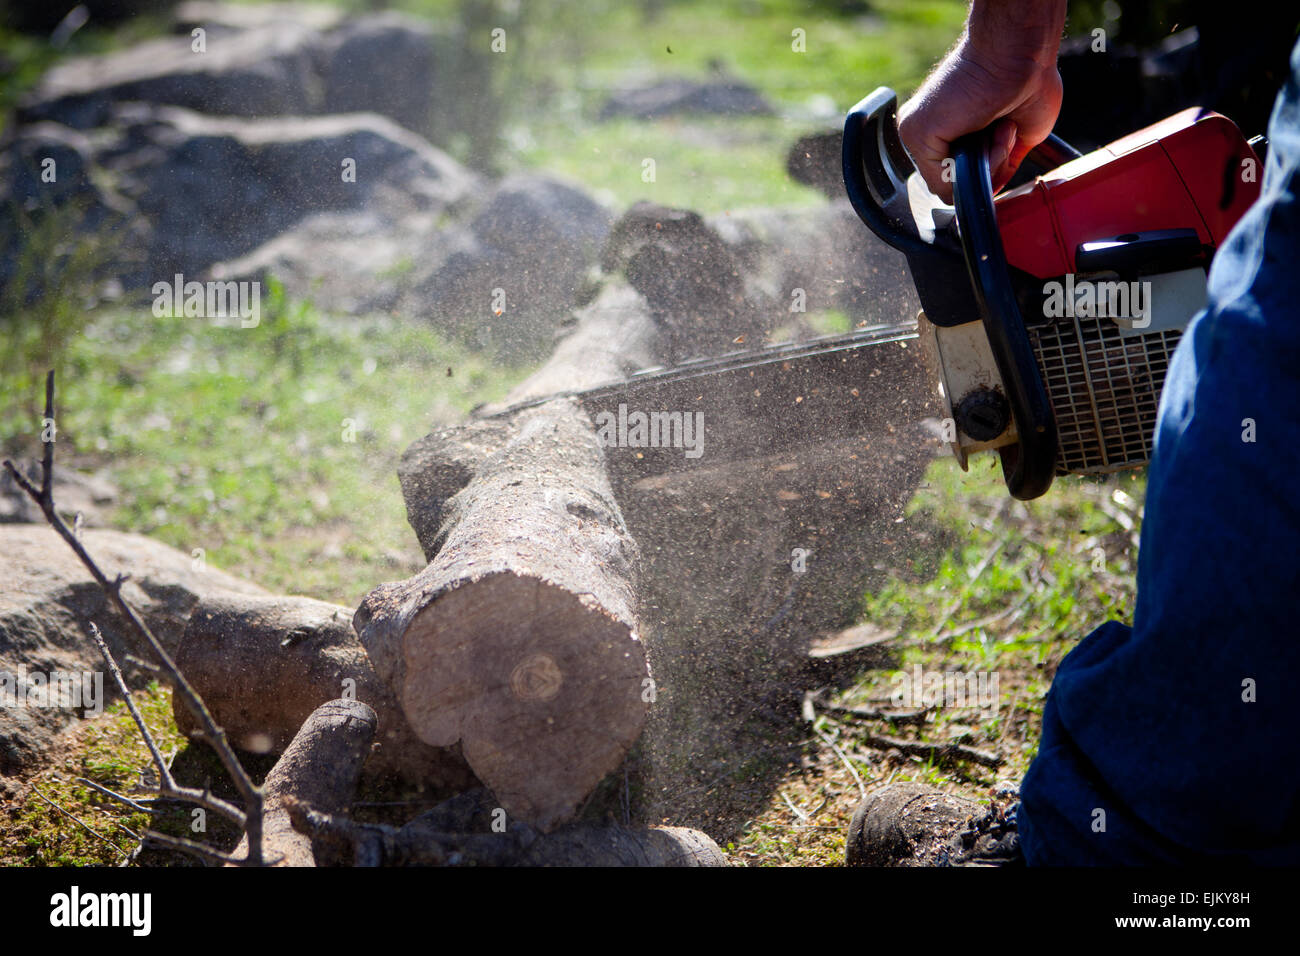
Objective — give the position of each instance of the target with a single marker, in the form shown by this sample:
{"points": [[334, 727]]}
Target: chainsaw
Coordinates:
{"points": [[1048, 314]]}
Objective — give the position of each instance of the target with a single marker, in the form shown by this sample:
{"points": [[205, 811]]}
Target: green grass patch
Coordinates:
{"points": [[272, 449]]}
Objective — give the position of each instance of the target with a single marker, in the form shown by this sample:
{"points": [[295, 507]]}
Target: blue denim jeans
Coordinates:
{"points": [[1173, 741]]}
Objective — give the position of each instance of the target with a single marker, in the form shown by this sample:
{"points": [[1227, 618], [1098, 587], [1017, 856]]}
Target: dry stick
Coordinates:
{"points": [[117, 796], [916, 748], [200, 850], [1008, 612], [167, 786], [862, 788], [77, 820], [869, 713], [799, 814], [44, 497]]}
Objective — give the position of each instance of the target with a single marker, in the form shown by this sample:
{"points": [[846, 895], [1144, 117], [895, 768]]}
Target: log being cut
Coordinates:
{"points": [[520, 639]]}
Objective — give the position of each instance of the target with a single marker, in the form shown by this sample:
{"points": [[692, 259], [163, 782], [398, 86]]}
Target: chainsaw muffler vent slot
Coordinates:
{"points": [[1104, 389]]}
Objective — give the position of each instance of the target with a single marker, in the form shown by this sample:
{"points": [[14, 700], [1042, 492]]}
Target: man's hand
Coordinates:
{"points": [[1003, 72]]}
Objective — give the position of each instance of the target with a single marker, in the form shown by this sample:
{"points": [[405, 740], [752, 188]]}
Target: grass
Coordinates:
{"points": [[715, 165], [108, 750], [272, 449], [238, 441], [1049, 572]]}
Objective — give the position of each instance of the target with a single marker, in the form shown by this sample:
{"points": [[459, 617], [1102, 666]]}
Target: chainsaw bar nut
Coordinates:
{"points": [[983, 414]]}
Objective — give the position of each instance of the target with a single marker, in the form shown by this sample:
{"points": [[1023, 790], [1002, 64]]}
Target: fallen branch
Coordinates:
{"points": [[264, 664], [320, 767], [249, 792], [936, 752], [870, 713], [422, 843]]}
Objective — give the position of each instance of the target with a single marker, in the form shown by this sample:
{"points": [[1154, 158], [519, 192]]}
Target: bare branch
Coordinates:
{"points": [[164, 772], [77, 820], [936, 752], [205, 853], [44, 497], [116, 796]]}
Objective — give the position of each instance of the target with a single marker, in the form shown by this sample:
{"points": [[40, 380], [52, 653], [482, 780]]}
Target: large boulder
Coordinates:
{"points": [[216, 17], [533, 238], [261, 72], [520, 267], [48, 600], [213, 189], [384, 64], [50, 196]]}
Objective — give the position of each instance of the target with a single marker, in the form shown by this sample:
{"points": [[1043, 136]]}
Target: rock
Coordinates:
{"points": [[47, 164], [671, 97], [264, 72], [354, 262], [74, 492], [535, 238], [277, 61], [47, 599], [233, 198], [214, 189], [381, 64], [47, 169], [216, 17]]}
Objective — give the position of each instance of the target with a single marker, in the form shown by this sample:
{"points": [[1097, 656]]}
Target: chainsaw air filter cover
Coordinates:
{"points": [[1104, 388]]}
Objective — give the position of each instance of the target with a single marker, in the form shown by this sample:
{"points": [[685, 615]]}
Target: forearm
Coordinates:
{"points": [[1010, 31], [1001, 75]]}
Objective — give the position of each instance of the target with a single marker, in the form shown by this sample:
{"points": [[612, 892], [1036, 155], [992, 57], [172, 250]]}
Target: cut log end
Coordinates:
{"points": [[545, 690]]}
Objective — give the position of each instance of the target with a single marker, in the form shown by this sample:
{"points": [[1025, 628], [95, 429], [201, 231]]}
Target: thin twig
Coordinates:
{"points": [[75, 819], [164, 774], [937, 752], [800, 814], [862, 788], [203, 852], [871, 713], [44, 497], [1007, 612], [116, 796], [167, 785]]}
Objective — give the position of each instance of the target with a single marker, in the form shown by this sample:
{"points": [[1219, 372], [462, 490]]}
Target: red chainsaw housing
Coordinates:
{"points": [[1193, 170]]}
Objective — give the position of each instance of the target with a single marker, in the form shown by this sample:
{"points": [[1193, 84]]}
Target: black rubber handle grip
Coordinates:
{"points": [[876, 167], [1029, 468]]}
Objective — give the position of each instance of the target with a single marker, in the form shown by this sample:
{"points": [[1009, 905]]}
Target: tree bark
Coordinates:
{"points": [[321, 767], [264, 664]]}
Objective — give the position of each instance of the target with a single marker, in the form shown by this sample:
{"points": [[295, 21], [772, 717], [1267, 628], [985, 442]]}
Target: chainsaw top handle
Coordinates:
{"points": [[876, 171]]}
